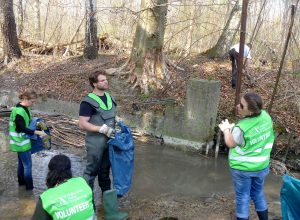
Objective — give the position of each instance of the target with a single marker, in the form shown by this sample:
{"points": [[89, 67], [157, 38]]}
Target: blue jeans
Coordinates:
{"points": [[24, 169], [249, 185]]}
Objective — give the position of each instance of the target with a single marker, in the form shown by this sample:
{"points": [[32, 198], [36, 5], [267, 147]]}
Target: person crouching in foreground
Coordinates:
{"points": [[250, 142], [66, 197]]}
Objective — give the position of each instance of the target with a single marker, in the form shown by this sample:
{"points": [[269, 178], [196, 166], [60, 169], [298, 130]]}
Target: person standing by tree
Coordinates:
{"points": [[97, 117], [250, 143], [233, 55], [19, 121]]}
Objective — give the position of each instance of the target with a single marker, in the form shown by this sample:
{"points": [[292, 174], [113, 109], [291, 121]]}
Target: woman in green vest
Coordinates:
{"points": [[250, 142], [66, 197], [19, 121]]}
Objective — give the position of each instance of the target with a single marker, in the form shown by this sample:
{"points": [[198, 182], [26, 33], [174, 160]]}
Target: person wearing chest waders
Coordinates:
{"points": [[66, 197], [97, 115], [250, 142], [19, 121]]}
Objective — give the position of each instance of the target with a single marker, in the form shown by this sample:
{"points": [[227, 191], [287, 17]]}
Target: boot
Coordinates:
{"points": [[29, 184], [262, 215], [21, 181], [110, 205]]}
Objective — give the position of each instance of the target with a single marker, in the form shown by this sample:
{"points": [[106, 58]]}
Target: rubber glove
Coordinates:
{"points": [[109, 132], [225, 125], [40, 133], [104, 129]]}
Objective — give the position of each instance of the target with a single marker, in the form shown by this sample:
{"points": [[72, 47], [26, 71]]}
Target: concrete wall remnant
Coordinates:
{"points": [[195, 122]]}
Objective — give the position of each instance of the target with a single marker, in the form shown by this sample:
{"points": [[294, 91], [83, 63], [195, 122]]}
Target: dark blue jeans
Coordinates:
{"points": [[233, 55], [249, 185], [24, 169]]}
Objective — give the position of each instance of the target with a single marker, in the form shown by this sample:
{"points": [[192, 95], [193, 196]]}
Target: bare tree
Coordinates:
{"points": [[192, 25], [223, 43], [91, 43], [147, 63], [20, 19], [11, 49], [37, 23]]}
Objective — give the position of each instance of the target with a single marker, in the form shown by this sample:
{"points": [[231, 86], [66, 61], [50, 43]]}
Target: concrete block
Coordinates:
{"points": [[196, 120]]}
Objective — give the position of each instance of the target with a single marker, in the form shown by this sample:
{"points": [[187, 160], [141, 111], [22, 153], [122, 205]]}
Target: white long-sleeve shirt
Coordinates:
{"points": [[247, 53]]}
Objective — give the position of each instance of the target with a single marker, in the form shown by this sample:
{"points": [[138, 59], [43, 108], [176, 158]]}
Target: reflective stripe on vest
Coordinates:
{"points": [[21, 143], [259, 138], [259, 150], [100, 102], [18, 141], [15, 134], [69, 200], [249, 159]]}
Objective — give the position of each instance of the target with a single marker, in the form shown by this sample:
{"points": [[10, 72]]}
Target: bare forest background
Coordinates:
{"points": [[156, 37], [192, 26]]}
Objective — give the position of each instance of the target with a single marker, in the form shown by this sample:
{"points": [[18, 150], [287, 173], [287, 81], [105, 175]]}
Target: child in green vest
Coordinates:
{"points": [[19, 121]]}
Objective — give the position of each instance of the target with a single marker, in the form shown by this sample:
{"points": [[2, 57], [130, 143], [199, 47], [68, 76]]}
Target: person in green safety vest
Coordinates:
{"points": [[19, 121], [67, 198], [250, 143], [97, 115]]}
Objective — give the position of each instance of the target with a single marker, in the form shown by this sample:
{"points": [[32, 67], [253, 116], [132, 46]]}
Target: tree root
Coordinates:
{"points": [[170, 63]]}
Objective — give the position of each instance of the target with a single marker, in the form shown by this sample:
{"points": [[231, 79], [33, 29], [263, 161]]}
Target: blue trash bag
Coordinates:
{"points": [[37, 143], [121, 156], [290, 198]]}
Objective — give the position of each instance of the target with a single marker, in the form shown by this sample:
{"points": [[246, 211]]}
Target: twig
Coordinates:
{"points": [[284, 98], [258, 78], [288, 147]]}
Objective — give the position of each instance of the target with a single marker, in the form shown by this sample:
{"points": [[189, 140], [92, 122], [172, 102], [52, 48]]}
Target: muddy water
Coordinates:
{"points": [[159, 171]]}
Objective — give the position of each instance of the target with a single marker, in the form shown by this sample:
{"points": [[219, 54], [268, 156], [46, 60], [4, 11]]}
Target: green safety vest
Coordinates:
{"points": [[18, 141], [259, 138], [69, 200], [100, 102]]}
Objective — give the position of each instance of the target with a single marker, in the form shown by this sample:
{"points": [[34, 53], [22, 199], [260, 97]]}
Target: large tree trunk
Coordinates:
{"points": [[20, 19], [223, 43], [11, 47], [37, 19], [147, 61], [91, 44]]}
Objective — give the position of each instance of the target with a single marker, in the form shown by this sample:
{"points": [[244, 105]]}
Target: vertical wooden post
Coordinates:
{"points": [[241, 52]]}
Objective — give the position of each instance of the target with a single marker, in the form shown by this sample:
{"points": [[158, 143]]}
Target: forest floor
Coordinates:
{"points": [[66, 79]]}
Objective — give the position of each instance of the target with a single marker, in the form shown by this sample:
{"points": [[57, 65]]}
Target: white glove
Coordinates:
{"points": [[40, 133], [109, 132], [225, 125], [104, 129], [118, 119]]}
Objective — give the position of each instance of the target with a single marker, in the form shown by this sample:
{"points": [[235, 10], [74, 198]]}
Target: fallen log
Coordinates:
{"points": [[5, 113]]}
